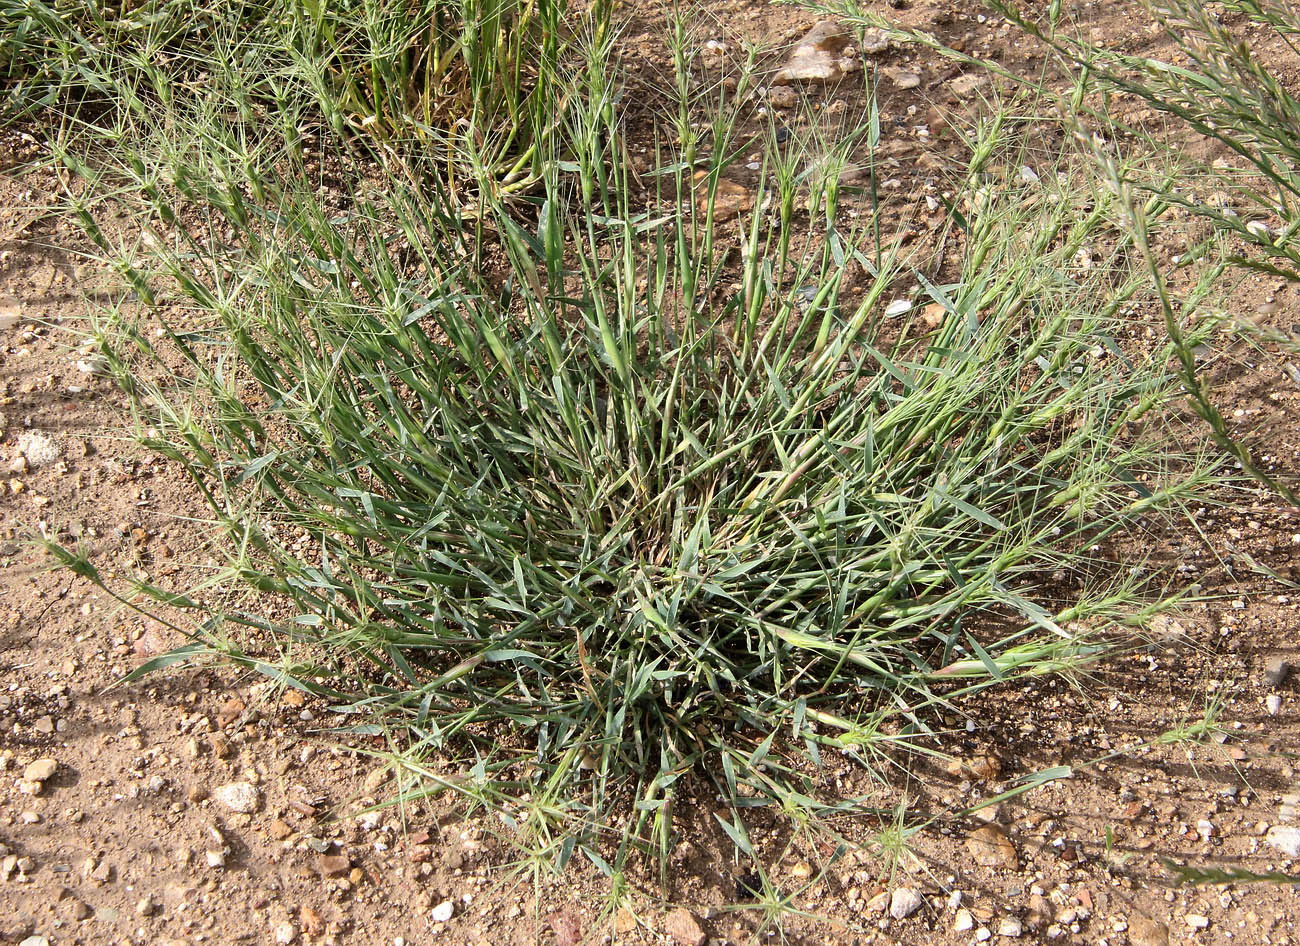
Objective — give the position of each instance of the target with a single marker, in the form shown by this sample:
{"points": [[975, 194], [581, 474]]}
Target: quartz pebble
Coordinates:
{"points": [[40, 770], [823, 55], [1284, 838], [239, 797], [903, 902], [37, 448], [443, 912]]}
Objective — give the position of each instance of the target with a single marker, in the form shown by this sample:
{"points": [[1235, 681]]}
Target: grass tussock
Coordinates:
{"points": [[415, 79], [638, 488], [596, 489]]}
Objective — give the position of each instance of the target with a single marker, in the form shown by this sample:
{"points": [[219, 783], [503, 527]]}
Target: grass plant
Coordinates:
{"points": [[1223, 90], [413, 79], [603, 488], [1226, 94]]}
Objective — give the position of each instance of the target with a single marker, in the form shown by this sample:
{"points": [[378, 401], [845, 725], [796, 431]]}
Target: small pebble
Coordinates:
{"points": [[239, 797], [1284, 838], [443, 912], [782, 96], [903, 902], [906, 80], [40, 770]]}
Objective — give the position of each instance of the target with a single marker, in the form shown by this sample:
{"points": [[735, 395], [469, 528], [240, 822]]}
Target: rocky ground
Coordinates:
{"points": [[203, 806]]}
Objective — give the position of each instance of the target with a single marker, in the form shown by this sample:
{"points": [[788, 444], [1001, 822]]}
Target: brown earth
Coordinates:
{"points": [[133, 838]]}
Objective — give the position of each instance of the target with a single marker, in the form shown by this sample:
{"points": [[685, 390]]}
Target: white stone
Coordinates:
{"points": [[40, 770], [904, 79], [1285, 839], [1196, 921], [1273, 703], [903, 902], [240, 797], [443, 912], [1010, 927], [963, 921], [95, 364], [38, 448], [823, 55]]}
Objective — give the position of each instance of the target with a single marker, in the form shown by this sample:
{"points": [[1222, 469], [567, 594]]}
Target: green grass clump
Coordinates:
{"points": [[598, 490], [407, 78], [614, 508]]}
